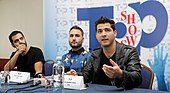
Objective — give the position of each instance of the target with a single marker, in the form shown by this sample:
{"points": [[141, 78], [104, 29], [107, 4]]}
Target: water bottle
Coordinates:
{"points": [[4, 78], [58, 75]]}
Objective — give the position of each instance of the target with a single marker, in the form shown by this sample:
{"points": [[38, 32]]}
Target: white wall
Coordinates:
{"points": [[24, 15]]}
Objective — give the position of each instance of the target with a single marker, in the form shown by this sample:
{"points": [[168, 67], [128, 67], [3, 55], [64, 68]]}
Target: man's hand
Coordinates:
{"points": [[112, 71], [21, 48], [72, 72]]}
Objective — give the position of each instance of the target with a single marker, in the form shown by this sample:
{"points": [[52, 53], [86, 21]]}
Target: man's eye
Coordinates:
{"points": [[77, 35], [71, 35], [107, 30], [99, 31], [16, 41], [21, 38]]}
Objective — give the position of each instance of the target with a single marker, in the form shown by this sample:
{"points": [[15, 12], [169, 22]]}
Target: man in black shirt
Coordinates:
{"points": [[25, 58]]}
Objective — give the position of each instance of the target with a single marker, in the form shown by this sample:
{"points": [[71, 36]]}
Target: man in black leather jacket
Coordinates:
{"points": [[114, 63]]}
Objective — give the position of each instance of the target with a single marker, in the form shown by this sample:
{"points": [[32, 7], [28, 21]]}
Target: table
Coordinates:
{"points": [[93, 88]]}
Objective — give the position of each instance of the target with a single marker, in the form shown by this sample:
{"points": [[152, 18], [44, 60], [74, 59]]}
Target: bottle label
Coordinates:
{"points": [[58, 81]]}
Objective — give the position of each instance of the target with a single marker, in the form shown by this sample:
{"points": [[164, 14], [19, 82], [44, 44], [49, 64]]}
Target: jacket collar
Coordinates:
{"points": [[119, 51], [97, 52]]}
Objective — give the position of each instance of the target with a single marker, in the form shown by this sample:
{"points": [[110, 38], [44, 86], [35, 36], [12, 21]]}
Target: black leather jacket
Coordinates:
{"points": [[128, 60]]}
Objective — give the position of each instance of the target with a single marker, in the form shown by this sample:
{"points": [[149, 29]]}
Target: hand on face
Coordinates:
{"points": [[112, 71], [21, 48]]}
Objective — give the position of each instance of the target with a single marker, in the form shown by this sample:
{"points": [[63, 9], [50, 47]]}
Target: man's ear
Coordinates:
{"points": [[83, 39], [115, 33]]}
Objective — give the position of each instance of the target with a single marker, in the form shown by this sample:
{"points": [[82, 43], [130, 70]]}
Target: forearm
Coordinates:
{"points": [[38, 67], [87, 74], [11, 63], [129, 80], [131, 72]]}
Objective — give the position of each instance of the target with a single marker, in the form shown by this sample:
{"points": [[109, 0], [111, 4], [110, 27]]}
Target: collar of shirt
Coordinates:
{"points": [[77, 52]]}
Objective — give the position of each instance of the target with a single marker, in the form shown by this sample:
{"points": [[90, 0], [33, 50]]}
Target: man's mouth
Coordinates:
{"points": [[73, 42], [104, 39], [23, 43]]}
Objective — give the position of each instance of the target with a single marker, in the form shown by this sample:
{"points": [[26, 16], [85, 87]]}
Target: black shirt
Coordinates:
{"points": [[104, 60], [26, 63]]}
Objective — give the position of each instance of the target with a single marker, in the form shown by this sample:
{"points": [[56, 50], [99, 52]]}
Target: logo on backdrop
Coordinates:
{"points": [[127, 30]]}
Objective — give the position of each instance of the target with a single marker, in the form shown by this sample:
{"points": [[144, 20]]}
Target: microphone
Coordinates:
{"points": [[36, 83], [42, 80]]}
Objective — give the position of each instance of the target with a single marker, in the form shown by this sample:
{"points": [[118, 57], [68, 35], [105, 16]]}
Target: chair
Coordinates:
{"points": [[147, 77], [48, 67]]}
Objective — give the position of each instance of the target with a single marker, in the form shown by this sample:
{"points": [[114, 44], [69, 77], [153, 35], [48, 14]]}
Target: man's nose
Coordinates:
{"points": [[103, 33], [21, 41], [74, 37]]}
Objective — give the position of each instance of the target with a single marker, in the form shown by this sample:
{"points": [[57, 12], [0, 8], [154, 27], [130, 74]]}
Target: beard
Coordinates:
{"points": [[75, 46], [108, 44]]}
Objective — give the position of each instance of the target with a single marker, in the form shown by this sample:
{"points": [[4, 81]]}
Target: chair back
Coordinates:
{"points": [[48, 67], [147, 77]]}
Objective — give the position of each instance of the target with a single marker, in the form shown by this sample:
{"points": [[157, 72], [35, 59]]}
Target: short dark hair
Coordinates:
{"points": [[103, 20], [13, 34], [77, 27]]}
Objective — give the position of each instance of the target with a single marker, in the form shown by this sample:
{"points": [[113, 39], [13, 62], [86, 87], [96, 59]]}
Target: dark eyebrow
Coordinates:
{"points": [[16, 40], [74, 34]]}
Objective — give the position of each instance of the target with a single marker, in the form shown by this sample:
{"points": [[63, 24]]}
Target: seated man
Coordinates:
{"points": [[25, 58], [114, 63], [77, 57]]}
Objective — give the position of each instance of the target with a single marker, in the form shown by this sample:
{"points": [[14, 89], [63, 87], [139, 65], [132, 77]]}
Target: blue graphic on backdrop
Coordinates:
{"points": [[167, 75], [152, 8], [158, 66], [92, 14], [121, 29]]}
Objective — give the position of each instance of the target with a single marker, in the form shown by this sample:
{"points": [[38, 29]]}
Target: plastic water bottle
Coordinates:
{"points": [[58, 75], [4, 78]]}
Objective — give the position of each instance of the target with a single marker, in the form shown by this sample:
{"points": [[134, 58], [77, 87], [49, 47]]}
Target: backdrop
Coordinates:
{"points": [[140, 23]]}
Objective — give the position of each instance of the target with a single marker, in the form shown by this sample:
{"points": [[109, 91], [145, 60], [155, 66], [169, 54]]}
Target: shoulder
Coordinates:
{"points": [[119, 45], [35, 48], [85, 52], [125, 48], [96, 52], [66, 55]]}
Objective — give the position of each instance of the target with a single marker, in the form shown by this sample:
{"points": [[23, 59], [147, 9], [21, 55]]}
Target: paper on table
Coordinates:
{"points": [[19, 77], [74, 82]]}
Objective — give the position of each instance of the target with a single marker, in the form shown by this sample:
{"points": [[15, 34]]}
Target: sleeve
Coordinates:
{"points": [[131, 71], [88, 56], [39, 56], [88, 70], [65, 59], [13, 53], [86, 59]]}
